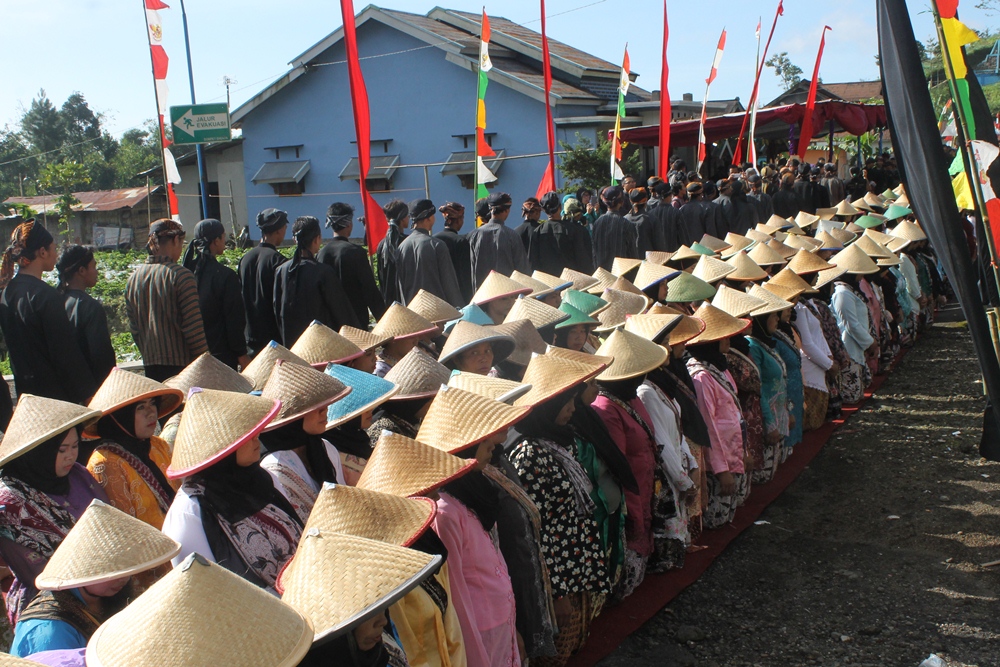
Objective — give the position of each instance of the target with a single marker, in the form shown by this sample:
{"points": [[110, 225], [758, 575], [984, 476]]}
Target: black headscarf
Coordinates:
{"points": [[741, 344], [477, 492], [623, 390], [589, 425], [197, 254], [37, 467], [692, 423], [118, 427], [343, 651], [406, 409], [235, 492], [710, 353], [292, 436], [350, 438], [541, 421], [758, 329]]}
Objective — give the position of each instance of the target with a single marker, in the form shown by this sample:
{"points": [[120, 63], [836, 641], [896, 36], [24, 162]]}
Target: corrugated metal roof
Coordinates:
{"points": [[281, 172], [95, 200], [855, 91], [443, 30], [381, 166], [463, 163], [529, 74]]}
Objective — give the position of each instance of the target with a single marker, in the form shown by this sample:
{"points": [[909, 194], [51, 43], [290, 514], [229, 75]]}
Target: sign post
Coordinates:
{"points": [[200, 123]]}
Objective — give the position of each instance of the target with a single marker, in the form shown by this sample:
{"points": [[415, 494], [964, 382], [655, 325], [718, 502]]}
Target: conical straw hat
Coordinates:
{"points": [[878, 237], [526, 340], [829, 242], [855, 261], [861, 205], [828, 225], [874, 201], [903, 200], [658, 256], [684, 253], [105, 544], [735, 302], [576, 316], [782, 292], [400, 322], [843, 236], [794, 230], [300, 390], [785, 251], [366, 340], [622, 305], [712, 270], [405, 467], [898, 245], [689, 327], [889, 261], [764, 255], [7, 660], [828, 275], [36, 420], [605, 279], [746, 268], [633, 356], [541, 314], [339, 581], [865, 222], [215, 424], [686, 288], [550, 376], [872, 248], [497, 286], [470, 313], [591, 304], [718, 324], [208, 372], [433, 308], [592, 360], [538, 288], [626, 285], [736, 243], [825, 213], [622, 265], [320, 345], [888, 195], [260, 368], [201, 614], [772, 302], [703, 249], [801, 242], [805, 263], [788, 278], [123, 388], [652, 327], [909, 231], [715, 244], [467, 335], [844, 208], [460, 419], [758, 237], [581, 281], [806, 220], [498, 389], [417, 375], [650, 274], [555, 283], [372, 515], [900, 190], [368, 391]]}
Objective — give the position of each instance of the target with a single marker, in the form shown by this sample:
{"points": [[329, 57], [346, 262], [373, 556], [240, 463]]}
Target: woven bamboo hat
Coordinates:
{"points": [[201, 614], [541, 314], [592, 360], [372, 515], [209, 373], [650, 274], [366, 340], [806, 262], [861, 205], [591, 304], [633, 356], [873, 248], [909, 231], [702, 249], [689, 327], [581, 281], [406, 467], [622, 265], [368, 391], [736, 243], [123, 388], [460, 419], [776, 222], [888, 195], [718, 324], [538, 288], [215, 424], [550, 376], [605, 279], [716, 244], [735, 302], [622, 305], [878, 237], [498, 389], [903, 200], [874, 201], [855, 261], [826, 213], [417, 375], [660, 257], [866, 222], [828, 275], [576, 316], [794, 230], [555, 283], [338, 581], [791, 280], [844, 208], [805, 220], [36, 420], [801, 242], [300, 390], [889, 261], [652, 327], [712, 270], [260, 368], [772, 302], [467, 335], [686, 288], [758, 237], [527, 340], [898, 245], [828, 225], [764, 255], [433, 308], [470, 313], [320, 345], [401, 322], [497, 286], [829, 242], [786, 252], [684, 253], [623, 284], [746, 268], [105, 544]]}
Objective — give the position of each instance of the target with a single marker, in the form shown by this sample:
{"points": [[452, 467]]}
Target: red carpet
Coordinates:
{"points": [[617, 623]]}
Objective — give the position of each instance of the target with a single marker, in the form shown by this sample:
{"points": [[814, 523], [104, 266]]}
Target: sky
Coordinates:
{"points": [[99, 47]]}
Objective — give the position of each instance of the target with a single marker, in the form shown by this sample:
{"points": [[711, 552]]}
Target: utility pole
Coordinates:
{"points": [[227, 82], [200, 150]]}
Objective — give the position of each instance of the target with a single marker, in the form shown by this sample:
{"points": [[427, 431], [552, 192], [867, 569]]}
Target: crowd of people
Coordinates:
{"points": [[459, 458]]}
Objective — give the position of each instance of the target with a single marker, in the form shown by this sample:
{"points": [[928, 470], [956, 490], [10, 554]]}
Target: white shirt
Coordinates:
{"points": [[815, 353], [183, 524], [293, 480]]}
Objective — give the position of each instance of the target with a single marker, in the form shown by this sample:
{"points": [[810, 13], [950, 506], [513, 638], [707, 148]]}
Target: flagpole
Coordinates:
{"points": [[159, 116], [738, 153], [702, 139], [751, 145], [199, 149]]}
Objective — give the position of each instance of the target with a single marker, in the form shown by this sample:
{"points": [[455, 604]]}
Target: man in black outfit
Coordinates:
{"points": [[458, 246], [350, 262], [531, 211], [257, 269]]}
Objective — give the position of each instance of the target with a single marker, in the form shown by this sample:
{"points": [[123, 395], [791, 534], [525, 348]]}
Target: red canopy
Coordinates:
{"points": [[849, 117]]}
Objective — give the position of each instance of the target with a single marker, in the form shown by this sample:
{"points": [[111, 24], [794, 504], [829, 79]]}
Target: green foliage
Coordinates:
{"points": [[61, 178], [125, 348], [790, 74], [589, 167]]}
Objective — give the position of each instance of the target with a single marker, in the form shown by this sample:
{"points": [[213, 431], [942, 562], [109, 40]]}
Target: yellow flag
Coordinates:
{"points": [[963, 193], [957, 35]]}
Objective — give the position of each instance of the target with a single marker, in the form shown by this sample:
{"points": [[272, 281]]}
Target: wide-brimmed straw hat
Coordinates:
{"points": [[576, 316], [591, 304], [846, 209], [538, 288], [829, 242], [660, 257], [498, 389], [208, 372], [622, 305], [789, 279], [620, 266], [861, 205], [541, 314], [874, 201], [898, 245], [605, 279], [715, 243], [866, 222], [855, 260], [689, 327], [903, 200], [368, 391], [909, 231], [889, 261], [122, 388], [764, 255], [581, 281], [338, 581], [758, 236], [650, 274], [746, 268], [406, 467], [827, 276], [805, 220], [550, 376], [712, 270], [37, 419], [366, 340], [805, 262], [685, 253], [786, 251], [652, 327], [592, 360], [801, 242], [215, 424], [825, 213], [467, 335], [827, 225], [888, 195], [718, 324], [735, 302], [736, 243], [873, 248], [633, 356], [400, 322], [843, 236], [105, 544], [320, 345], [794, 230], [775, 222], [417, 375], [200, 613], [260, 368], [772, 302], [623, 284], [373, 515], [686, 288], [460, 419], [879, 237], [433, 308], [497, 286], [301, 390], [555, 283], [527, 340]]}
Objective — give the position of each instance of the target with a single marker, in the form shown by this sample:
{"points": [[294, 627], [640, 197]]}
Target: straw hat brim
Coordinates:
{"points": [[433, 307], [370, 405], [401, 323], [458, 420], [118, 391], [558, 375], [686, 330], [373, 515], [319, 345], [652, 327], [41, 419], [289, 384], [718, 325], [633, 356], [366, 340], [208, 372], [828, 276], [502, 345], [505, 391], [408, 460]]}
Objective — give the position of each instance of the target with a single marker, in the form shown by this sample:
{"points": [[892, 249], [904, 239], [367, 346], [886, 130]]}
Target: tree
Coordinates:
{"points": [[589, 167], [42, 126], [138, 150], [790, 75], [62, 177]]}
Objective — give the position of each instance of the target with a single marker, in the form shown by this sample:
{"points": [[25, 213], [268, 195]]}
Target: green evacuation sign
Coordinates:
{"points": [[200, 123]]}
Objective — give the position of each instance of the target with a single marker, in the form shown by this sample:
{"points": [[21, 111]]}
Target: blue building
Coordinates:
{"points": [[421, 74]]}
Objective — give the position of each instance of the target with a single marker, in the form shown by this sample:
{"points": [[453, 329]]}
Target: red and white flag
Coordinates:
{"points": [[718, 58], [160, 62], [702, 143]]}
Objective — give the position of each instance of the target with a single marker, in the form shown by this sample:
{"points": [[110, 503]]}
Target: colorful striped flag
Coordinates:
{"points": [[160, 62], [702, 143], [483, 149], [806, 128], [616, 140]]}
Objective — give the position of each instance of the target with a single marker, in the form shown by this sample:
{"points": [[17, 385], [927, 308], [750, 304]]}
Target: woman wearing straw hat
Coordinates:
{"points": [[820, 308], [474, 349], [854, 320], [497, 294], [43, 489], [788, 347], [227, 510], [401, 329], [349, 418], [574, 333], [418, 378], [128, 461]]}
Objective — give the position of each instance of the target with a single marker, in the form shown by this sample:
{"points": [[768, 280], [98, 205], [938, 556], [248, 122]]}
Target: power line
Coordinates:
{"points": [[54, 150]]}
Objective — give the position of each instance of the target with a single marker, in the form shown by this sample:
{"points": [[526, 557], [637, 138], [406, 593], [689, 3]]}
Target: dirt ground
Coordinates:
{"points": [[874, 555]]}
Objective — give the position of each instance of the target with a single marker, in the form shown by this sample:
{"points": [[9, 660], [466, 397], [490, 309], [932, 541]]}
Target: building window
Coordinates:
{"points": [[380, 172], [463, 165], [287, 179]]}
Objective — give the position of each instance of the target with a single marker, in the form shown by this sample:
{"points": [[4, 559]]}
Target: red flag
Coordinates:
{"points": [[665, 112], [548, 183], [376, 224], [160, 61], [702, 142], [156, 4], [806, 129], [738, 153]]}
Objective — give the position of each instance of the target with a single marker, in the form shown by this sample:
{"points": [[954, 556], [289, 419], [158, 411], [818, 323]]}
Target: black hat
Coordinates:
{"points": [[396, 210], [338, 215], [754, 178], [551, 202], [421, 209], [662, 188], [499, 200], [209, 229], [483, 208], [638, 195], [695, 188], [815, 171], [271, 220]]}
